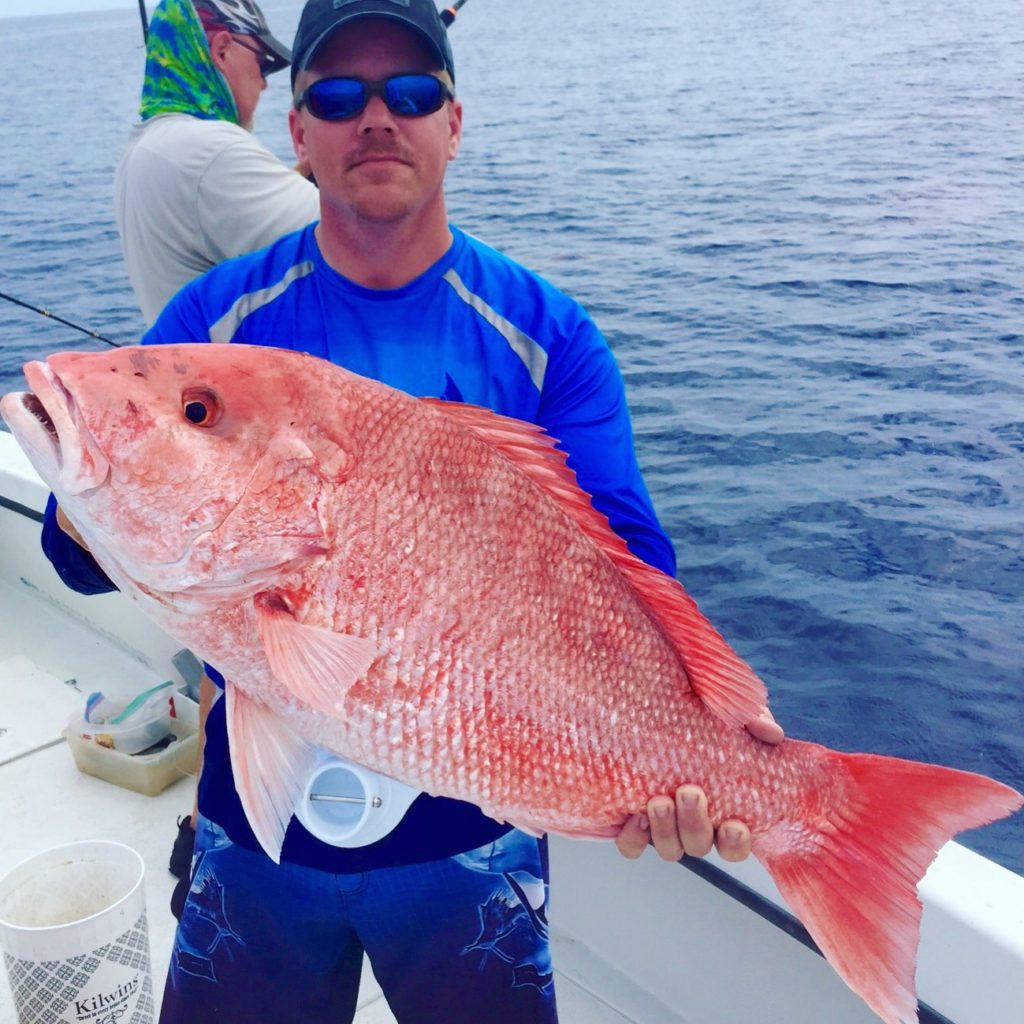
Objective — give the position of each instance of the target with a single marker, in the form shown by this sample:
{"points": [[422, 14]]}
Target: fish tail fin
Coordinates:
{"points": [[851, 877]]}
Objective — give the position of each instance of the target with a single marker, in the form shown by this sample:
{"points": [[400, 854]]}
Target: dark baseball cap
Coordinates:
{"points": [[244, 18], [321, 18]]}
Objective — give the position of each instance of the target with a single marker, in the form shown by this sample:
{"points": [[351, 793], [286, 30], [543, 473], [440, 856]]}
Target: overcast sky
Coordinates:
{"points": [[11, 8]]}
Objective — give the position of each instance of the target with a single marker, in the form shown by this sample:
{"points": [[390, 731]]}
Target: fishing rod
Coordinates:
{"points": [[145, 20], [447, 15], [53, 316]]}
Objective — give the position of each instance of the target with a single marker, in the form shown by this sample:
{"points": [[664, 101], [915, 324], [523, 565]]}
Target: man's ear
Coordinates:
{"points": [[295, 125], [219, 42], [298, 133], [454, 127]]}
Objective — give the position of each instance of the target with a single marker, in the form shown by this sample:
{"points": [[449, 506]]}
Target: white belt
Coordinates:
{"points": [[344, 804]]}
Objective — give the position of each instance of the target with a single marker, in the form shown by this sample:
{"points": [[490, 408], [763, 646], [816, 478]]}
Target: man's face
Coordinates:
{"points": [[239, 61], [378, 165]]}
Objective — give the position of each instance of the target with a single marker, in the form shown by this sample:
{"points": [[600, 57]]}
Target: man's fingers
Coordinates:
{"points": [[682, 826], [634, 837], [732, 840], [765, 728], [664, 834], [65, 524], [693, 824]]}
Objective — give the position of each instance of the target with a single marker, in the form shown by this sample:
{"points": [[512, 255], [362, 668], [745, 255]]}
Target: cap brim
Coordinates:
{"points": [[280, 55]]}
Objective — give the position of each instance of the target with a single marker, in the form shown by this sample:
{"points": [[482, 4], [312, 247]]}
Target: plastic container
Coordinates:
{"points": [[74, 934], [143, 729], [185, 708], [148, 774]]}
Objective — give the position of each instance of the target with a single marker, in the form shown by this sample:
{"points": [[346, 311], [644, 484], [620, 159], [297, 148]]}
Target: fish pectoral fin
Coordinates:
{"points": [[317, 665], [270, 763]]}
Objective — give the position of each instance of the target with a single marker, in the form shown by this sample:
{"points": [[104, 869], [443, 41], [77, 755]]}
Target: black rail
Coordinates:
{"points": [[22, 510]]}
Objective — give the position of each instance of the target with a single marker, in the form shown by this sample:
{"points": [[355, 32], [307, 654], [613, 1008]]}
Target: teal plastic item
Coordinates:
{"points": [[139, 701]]}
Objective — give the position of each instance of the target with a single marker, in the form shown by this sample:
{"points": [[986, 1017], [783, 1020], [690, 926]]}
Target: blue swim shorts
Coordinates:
{"points": [[462, 940]]}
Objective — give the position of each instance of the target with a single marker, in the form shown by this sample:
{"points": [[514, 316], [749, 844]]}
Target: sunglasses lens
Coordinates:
{"points": [[335, 99], [338, 99], [413, 95]]}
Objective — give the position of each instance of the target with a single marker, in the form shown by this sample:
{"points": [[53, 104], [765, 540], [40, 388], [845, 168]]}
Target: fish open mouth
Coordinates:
{"points": [[35, 408], [49, 426], [46, 417]]}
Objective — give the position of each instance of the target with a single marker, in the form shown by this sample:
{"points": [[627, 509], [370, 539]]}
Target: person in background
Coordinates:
{"points": [[194, 186], [450, 906]]}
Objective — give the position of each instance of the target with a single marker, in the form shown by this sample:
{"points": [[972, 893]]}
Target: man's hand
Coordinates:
{"points": [[682, 826], [65, 524], [766, 729]]}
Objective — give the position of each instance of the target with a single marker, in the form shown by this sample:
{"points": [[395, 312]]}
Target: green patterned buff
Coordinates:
{"points": [[180, 74]]}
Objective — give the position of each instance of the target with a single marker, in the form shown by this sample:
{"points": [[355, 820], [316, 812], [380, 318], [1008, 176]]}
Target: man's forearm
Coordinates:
{"points": [[207, 693]]}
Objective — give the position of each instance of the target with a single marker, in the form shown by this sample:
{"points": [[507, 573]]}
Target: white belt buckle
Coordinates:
{"points": [[344, 804]]}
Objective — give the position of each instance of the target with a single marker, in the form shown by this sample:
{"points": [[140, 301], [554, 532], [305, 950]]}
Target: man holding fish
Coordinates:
{"points": [[450, 905]]}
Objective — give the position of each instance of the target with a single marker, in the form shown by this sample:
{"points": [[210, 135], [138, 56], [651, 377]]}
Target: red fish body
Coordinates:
{"points": [[422, 588]]}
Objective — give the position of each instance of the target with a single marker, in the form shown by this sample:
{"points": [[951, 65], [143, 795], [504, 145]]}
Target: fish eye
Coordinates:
{"points": [[201, 407]]}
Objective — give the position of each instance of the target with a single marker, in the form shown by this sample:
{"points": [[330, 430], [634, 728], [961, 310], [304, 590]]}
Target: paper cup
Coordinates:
{"points": [[74, 935]]}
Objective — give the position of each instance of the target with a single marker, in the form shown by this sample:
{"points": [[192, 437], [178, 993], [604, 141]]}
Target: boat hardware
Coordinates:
{"points": [[330, 798]]}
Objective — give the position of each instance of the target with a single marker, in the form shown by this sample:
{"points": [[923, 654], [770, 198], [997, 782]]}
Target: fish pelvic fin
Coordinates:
{"points": [[726, 684], [270, 763], [852, 877], [317, 665]]}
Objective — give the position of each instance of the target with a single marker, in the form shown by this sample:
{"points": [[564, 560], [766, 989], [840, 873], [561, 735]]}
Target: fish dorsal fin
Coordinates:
{"points": [[270, 764], [317, 665], [717, 674]]}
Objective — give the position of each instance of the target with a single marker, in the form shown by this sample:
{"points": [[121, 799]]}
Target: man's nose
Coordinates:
{"points": [[376, 116]]}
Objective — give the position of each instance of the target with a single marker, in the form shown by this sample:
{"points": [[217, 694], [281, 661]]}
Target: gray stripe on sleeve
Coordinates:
{"points": [[534, 358], [224, 329]]}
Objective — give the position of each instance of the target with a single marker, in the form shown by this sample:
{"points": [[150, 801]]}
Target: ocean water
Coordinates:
{"points": [[799, 225]]}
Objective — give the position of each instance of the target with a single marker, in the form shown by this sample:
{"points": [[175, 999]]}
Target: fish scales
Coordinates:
{"points": [[508, 654], [422, 588]]}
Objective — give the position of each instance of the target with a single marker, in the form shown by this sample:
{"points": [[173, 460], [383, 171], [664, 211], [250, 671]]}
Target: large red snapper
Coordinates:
{"points": [[421, 587]]}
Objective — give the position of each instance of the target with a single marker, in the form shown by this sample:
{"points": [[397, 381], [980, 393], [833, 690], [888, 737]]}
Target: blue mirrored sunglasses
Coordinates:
{"points": [[339, 99]]}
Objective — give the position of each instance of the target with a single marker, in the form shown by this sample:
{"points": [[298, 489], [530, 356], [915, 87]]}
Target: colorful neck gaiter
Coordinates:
{"points": [[180, 74]]}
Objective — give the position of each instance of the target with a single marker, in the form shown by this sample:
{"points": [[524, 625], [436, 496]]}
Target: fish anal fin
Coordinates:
{"points": [[530, 830], [537, 831], [602, 833], [716, 673], [316, 664], [270, 764], [852, 879]]}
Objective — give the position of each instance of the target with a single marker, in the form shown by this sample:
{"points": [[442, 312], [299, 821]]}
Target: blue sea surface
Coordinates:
{"points": [[799, 225]]}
